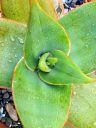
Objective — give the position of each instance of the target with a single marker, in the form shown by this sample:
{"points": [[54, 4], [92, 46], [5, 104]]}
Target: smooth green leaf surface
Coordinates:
{"points": [[83, 111], [81, 27], [16, 9], [39, 105], [12, 36], [64, 72], [43, 35]]}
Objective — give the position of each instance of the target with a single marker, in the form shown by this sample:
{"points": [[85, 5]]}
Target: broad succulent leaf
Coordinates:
{"points": [[44, 34], [81, 27], [16, 9], [49, 36], [83, 111], [45, 51], [65, 71], [12, 36], [42, 105]]}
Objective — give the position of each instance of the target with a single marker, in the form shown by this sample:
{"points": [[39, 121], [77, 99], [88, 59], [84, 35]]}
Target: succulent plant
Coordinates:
{"points": [[58, 57]]}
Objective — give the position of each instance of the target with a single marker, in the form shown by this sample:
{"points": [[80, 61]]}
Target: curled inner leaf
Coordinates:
{"points": [[44, 35], [46, 62], [64, 72]]}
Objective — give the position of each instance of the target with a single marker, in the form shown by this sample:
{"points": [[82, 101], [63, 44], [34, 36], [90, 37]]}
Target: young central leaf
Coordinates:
{"points": [[46, 62], [44, 35], [64, 72]]}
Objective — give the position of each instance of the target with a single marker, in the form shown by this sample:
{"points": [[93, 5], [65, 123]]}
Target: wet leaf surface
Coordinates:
{"points": [[45, 106], [12, 35]]}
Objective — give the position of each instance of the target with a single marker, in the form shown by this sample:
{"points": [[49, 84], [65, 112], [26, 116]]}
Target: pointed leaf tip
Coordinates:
{"points": [[64, 72], [81, 27], [44, 35]]}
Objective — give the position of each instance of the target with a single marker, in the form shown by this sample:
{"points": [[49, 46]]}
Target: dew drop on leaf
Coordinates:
{"points": [[12, 38], [74, 93], [15, 56], [20, 40], [10, 61]]}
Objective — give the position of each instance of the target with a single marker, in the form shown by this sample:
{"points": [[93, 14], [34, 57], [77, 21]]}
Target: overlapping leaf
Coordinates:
{"points": [[65, 71], [81, 25], [83, 111], [42, 105], [12, 36], [43, 35], [48, 6], [48, 105], [16, 9]]}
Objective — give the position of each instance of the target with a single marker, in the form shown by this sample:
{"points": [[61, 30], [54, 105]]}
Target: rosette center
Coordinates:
{"points": [[47, 62]]}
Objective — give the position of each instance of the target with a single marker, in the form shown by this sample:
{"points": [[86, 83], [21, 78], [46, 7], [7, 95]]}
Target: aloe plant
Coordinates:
{"points": [[52, 64]]}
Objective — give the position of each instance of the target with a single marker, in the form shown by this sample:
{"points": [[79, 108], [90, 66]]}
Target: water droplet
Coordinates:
{"points": [[74, 93], [15, 56], [21, 40], [12, 38], [10, 61]]}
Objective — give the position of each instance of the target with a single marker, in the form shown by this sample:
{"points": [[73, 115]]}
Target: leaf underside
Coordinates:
{"points": [[42, 104], [81, 27], [12, 36]]}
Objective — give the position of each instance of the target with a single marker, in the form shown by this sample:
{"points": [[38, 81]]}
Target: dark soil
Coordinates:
{"points": [[7, 109]]}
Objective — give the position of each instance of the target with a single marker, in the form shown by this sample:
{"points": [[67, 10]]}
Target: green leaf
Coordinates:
{"points": [[39, 105], [65, 71], [48, 6], [12, 36], [69, 125], [81, 27], [83, 111], [43, 35], [16, 9]]}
